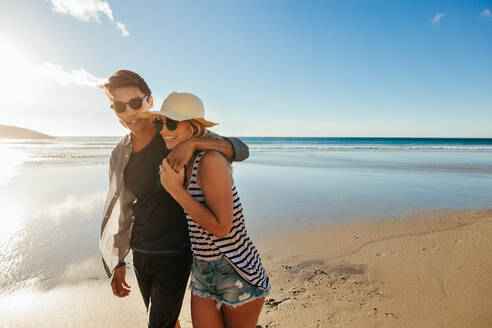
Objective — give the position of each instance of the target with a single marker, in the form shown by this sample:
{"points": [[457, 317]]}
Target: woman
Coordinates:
{"points": [[228, 281]]}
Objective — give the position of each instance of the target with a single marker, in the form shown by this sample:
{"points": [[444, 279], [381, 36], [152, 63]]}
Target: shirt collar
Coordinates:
{"points": [[127, 141]]}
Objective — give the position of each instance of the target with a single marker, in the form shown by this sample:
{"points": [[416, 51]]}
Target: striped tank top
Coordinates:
{"points": [[237, 248]]}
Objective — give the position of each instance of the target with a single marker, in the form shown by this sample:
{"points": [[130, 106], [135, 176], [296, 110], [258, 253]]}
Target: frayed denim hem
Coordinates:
{"points": [[203, 294]]}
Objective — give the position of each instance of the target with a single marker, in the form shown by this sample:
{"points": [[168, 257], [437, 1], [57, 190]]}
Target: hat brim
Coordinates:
{"points": [[177, 117]]}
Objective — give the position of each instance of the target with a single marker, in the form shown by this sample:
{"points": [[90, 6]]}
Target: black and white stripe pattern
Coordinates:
{"points": [[237, 247]]}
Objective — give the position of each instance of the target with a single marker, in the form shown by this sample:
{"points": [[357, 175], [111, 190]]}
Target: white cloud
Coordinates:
{"points": [[437, 18], [122, 27], [58, 74], [17, 69], [486, 13], [87, 10]]}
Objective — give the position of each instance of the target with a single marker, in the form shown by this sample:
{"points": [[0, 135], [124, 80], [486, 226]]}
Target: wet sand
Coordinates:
{"points": [[430, 269]]}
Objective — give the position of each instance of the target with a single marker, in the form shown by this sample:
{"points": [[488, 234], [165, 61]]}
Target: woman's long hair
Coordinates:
{"points": [[201, 131]]}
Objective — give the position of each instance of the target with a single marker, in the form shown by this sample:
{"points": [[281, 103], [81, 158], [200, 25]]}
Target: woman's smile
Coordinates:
{"points": [[182, 132]]}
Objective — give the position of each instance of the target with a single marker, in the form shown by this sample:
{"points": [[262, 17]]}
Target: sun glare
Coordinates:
{"points": [[11, 160], [17, 72], [13, 218], [12, 209]]}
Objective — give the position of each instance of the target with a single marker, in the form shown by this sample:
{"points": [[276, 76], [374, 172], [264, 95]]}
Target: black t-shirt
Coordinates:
{"points": [[160, 223]]}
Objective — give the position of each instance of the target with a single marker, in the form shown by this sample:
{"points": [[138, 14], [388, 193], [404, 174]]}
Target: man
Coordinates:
{"points": [[139, 214]]}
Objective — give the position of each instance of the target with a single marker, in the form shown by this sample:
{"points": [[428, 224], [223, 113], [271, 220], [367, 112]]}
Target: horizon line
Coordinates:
{"points": [[354, 137]]}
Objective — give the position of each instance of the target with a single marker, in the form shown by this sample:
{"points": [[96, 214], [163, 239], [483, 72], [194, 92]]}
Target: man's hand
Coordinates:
{"points": [[181, 155], [118, 284]]}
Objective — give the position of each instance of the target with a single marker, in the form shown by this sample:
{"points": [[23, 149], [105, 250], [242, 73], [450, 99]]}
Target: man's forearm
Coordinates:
{"points": [[220, 145], [240, 150], [232, 148]]}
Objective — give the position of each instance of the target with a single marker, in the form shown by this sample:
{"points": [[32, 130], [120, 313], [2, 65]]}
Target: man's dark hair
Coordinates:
{"points": [[124, 78]]}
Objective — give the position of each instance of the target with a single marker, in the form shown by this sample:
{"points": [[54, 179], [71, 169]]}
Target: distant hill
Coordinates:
{"points": [[13, 132]]}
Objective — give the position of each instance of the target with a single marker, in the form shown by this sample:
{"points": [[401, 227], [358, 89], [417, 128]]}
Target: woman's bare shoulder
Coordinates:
{"points": [[213, 165]]}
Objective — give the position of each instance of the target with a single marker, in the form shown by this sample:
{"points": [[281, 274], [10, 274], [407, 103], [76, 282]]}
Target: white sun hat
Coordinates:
{"points": [[181, 106]]}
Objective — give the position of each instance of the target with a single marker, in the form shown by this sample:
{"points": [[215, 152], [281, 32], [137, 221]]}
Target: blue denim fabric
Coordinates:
{"points": [[219, 281]]}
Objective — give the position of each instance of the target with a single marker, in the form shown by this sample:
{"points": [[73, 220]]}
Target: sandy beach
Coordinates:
{"points": [[328, 225], [429, 269], [358, 136]]}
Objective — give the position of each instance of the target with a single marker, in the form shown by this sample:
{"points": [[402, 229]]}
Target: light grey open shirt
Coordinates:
{"points": [[117, 222]]}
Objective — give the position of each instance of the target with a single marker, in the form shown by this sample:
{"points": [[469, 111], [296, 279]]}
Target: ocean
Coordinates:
{"points": [[52, 193]]}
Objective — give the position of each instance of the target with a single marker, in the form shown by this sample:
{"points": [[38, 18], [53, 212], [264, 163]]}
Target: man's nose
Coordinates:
{"points": [[128, 111]]}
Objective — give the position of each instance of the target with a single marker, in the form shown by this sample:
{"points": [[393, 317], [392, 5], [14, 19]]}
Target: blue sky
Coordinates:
{"points": [[262, 68]]}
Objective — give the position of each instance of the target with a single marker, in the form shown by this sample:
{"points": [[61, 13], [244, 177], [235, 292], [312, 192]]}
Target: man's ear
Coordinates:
{"points": [[151, 101]]}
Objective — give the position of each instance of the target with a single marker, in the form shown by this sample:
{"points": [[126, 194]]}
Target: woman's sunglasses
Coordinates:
{"points": [[171, 125], [135, 103]]}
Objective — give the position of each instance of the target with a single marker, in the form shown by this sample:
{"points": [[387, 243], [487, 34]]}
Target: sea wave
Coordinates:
{"points": [[277, 147]]}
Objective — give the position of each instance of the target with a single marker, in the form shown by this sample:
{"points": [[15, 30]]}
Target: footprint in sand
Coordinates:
{"points": [[431, 249], [297, 291], [383, 254]]}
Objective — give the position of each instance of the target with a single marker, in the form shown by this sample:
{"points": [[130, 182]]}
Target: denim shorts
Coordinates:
{"points": [[218, 280]]}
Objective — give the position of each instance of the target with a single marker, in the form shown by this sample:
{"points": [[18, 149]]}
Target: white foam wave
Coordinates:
{"points": [[367, 147]]}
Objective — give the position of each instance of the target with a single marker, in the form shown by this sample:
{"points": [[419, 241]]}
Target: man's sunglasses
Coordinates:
{"points": [[135, 103], [159, 123]]}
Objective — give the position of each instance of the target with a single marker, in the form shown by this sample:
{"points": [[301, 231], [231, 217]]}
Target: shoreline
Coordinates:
{"points": [[432, 264]]}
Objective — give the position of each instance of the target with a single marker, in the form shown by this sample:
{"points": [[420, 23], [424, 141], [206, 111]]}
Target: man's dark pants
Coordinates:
{"points": [[162, 281]]}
